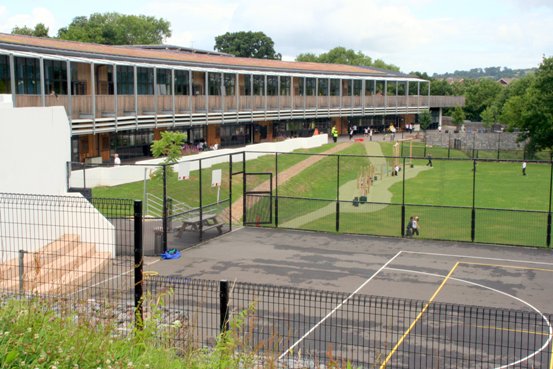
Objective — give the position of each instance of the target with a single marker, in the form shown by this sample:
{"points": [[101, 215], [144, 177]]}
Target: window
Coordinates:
{"points": [[272, 85], [163, 81], [182, 82], [145, 81], [230, 84], [357, 84], [259, 85], [369, 87], [5, 80], [55, 77], [334, 87], [310, 86], [27, 76], [247, 85], [125, 80], [214, 84], [323, 87], [285, 86]]}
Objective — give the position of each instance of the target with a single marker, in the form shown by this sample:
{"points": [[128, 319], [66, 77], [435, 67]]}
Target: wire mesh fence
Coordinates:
{"points": [[62, 246], [299, 328]]}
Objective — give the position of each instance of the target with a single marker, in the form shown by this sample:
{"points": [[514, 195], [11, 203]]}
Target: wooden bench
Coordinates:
{"points": [[207, 222]]}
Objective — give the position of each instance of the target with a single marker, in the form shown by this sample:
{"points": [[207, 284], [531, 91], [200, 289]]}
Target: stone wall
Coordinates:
{"points": [[474, 140]]}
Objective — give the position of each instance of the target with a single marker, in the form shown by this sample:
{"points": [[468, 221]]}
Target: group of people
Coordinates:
{"points": [[412, 227]]}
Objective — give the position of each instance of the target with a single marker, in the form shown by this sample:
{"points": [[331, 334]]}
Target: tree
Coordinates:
{"points": [[169, 145], [341, 55], [40, 30], [489, 115], [480, 94], [117, 29], [532, 111], [458, 116], [425, 119], [247, 45]]}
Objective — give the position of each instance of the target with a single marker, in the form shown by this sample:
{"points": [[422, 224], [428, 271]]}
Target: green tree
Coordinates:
{"points": [[169, 145], [341, 55], [425, 119], [40, 30], [458, 116], [247, 45], [532, 111], [117, 29], [479, 95], [489, 115]]}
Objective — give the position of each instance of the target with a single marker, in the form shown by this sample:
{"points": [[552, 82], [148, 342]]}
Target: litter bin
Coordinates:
{"points": [[158, 240]]}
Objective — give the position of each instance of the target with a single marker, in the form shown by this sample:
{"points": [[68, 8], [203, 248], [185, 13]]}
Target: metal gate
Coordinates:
{"points": [[258, 198]]}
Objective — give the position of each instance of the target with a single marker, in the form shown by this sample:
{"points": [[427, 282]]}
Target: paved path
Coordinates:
{"points": [[379, 192]]}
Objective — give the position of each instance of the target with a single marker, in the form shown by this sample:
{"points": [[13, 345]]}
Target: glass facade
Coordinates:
{"points": [[125, 80], [27, 76], [5, 84], [55, 77], [163, 81], [145, 81], [182, 82]]}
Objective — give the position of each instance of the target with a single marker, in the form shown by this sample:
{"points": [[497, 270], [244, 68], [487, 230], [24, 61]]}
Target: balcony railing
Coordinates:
{"points": [[83, 108]]}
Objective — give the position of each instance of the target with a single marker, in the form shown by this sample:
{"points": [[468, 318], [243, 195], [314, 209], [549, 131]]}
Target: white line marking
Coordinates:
{"points": [[477, 257], [546, 344], [338, 306]]}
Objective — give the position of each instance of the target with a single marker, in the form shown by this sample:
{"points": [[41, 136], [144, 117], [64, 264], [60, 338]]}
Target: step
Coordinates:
{"points": [[54, 269], [76, 279], [61, 246]]}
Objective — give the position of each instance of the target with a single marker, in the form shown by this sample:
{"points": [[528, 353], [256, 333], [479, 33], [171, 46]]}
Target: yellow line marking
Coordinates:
{"points": [[509, 266], [490, 327], [551, 361], [383, 365]]}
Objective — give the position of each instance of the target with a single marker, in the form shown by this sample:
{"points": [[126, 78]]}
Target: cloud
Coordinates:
{"points": [[36, 15]]}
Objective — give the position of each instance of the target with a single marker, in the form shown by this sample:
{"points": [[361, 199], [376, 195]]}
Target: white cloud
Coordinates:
{"points": [[37, 15]]}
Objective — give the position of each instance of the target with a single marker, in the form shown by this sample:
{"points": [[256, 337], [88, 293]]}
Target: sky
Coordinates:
{"points": [[432, 36]]}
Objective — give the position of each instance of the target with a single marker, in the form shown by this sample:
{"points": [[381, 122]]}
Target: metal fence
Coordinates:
{"points": [[474, 200], [299, 328], [61, 246]]}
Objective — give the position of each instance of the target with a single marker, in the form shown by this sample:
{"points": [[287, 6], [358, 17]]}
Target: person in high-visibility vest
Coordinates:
{"points": [[334, 133]]}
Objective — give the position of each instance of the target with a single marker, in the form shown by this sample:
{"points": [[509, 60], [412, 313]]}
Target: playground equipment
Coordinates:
{"points": [[364, 180]]}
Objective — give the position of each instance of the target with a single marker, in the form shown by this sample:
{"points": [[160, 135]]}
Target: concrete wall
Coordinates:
{"points": [[112, 176], [36, 146], [30, 222], [480, 141]]}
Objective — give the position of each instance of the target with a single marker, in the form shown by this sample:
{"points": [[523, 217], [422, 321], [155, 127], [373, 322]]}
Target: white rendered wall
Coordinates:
{"points": [[112, 176], [36, 146]]}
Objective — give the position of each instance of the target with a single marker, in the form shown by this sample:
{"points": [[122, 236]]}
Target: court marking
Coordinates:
{"points": [[338, 306], [545, 345], [423, 310], [476, 257]]}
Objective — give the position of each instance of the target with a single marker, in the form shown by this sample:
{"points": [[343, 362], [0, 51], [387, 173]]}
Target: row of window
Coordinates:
{"points": [[27, 76]]}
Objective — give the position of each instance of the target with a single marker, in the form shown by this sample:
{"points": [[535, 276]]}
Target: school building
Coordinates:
{"points": [[119, 98]]}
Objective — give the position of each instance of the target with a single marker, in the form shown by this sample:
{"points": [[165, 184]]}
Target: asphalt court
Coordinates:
{"points": [[437, 272], [486, 275]]}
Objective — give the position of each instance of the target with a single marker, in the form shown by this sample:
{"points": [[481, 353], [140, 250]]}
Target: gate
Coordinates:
{"points": [[258, 198]]}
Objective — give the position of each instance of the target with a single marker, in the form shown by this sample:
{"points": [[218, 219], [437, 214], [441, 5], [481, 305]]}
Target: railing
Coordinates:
{"points": [[85, 110]]}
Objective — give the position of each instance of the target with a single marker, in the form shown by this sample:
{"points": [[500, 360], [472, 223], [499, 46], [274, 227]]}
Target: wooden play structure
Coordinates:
{"points": [[365, 179]]}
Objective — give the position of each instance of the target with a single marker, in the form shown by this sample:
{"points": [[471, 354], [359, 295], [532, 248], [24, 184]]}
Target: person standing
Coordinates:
{"points": [[524, 168], [429, 160], [334, 133], [409, 231], [350, 133], [370, 134], [415, 225], [116, 159]]}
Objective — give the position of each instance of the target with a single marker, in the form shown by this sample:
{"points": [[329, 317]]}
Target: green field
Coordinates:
{"points": [[510, 208]]}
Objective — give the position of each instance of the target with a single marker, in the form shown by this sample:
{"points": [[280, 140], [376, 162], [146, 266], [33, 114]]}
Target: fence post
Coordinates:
{"points": [[449, 146], [276, 190], [223, 305], [201, 198], [138, 265], [338, 193], [164, 220], [473, 212], [244, 188], [403, 202], [498, 144], [21, 270], [84, 175], [230, 194], [548, 241]]}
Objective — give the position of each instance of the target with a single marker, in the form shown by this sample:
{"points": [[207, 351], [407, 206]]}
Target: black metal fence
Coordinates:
{"points": [[473, 200], [299, 328], [61, 246]]}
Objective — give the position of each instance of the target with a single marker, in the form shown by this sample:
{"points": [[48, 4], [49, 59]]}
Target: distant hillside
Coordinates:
{"points": [[491, 72]]}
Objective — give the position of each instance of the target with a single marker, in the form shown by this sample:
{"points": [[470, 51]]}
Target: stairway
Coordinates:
{"points": [[60, 267]]}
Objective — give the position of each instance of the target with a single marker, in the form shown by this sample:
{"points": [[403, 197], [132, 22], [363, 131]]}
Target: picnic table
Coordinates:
{"points": [[207, 222]]}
